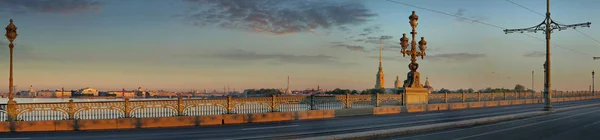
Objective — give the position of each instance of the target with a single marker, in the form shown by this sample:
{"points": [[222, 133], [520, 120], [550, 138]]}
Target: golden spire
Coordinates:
{"points": [[379, 82], [380, 53]]}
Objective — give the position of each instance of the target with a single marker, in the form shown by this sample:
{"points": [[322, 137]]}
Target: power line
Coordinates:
{"points": [[554, 21], [588, 36], [472, 20], [484, 23], [537, 38], [526, 8]]}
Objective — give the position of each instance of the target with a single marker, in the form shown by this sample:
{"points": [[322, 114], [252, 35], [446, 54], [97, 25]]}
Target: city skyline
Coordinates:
{"points": [[159, 44]]}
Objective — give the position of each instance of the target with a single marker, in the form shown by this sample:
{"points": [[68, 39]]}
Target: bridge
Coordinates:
{"points": [[250, 118], [383, 116]]}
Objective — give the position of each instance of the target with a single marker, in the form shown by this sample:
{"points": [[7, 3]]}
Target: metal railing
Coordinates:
{"points": [[200, 107]]}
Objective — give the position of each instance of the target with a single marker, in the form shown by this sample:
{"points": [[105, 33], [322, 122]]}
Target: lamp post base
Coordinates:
{"points": [[415, 96], [413, 80]]}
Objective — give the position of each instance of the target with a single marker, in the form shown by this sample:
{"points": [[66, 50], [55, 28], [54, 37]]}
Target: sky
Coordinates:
{"points": [[208, 44]]}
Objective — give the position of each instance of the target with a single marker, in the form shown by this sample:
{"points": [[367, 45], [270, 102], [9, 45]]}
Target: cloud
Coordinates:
{"points": [[277, 17], [386, 37], [48, 6], [354, 48], [369, 30], [375, 40], [277, 58], [461, 12], [390, 58], [383, 37], [454, 57], [535, 54], [343, 28], [392, 47]]}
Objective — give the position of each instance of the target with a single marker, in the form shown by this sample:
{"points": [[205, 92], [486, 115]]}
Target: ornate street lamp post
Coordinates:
{"points": [[11, 35], [414, 92], [413, 79]]}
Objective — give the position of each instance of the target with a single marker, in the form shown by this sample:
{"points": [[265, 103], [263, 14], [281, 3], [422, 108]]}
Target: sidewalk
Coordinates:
{"points": [[440, 126]]}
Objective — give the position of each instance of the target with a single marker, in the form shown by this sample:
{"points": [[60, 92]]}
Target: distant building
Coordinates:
{"points": [[61, 94], [161, 93], [45, 94], [27, 93], [397, 83], [427, 85], [123, 93], [87, 91]]}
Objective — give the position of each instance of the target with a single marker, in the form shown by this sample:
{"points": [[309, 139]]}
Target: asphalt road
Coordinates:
{"points": [[291, 129], [580, 124]]}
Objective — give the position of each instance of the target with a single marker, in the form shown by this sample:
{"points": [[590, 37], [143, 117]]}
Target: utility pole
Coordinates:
{"points": [[533, 89], [546, 27], [593, 80]]}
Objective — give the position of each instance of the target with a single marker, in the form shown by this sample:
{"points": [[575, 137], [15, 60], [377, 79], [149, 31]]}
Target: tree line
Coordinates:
{"points": [[518, 88], [262, 92], [338, 91]]}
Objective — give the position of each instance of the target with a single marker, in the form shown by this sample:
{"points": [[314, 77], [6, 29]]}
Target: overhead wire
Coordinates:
{"points": [[484, 23], [588, 36]]}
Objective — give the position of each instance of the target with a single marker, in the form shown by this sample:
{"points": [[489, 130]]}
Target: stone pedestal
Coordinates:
{"points": [[414, 96]]}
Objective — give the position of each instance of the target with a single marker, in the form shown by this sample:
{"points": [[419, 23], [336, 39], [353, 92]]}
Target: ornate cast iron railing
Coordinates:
{"points": [[293, 103], [43, 111], [388, 99], [200, 107]]}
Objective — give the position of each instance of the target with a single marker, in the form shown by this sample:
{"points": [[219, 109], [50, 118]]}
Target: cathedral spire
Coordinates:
{"points": [[379, 82], [288, 90], [380, 54]]}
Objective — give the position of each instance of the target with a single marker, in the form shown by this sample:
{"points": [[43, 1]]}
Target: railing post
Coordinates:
{"points": [[312, 102], [446, 97], [493, 96], [504, 94], [273, 103], [463, 97], [126, 109], [377, 100], [347, 100], [11, 112], [71, 110], [229, 104], [179, 105], [518, 94], [478, 96]]}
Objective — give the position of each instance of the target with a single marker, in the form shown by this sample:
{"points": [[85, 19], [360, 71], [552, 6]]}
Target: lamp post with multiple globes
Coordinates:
{"points": [[413, 79], [11, 35]]}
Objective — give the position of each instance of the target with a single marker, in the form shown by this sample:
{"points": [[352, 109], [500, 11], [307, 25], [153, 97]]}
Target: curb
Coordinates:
{"points": [[440, 126]]}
